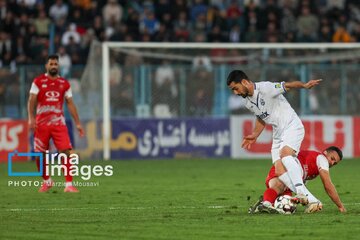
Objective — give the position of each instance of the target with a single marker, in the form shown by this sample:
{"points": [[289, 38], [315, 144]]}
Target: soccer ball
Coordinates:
{"points": [[285, 204]]}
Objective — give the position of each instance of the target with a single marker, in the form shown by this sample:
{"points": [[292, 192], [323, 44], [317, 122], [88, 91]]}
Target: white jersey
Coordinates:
{"points": [[268, 104]]}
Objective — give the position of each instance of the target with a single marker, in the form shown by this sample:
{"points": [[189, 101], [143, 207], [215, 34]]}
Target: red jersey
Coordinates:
{"points": [[312, 162], [50, 99]]}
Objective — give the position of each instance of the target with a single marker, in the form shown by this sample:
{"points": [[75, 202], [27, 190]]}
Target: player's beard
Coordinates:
{"points": [[246, 94], [53, 72]]}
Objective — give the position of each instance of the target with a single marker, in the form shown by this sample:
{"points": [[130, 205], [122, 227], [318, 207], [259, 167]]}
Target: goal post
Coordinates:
{"points": [[294, 54], [106, 101]]}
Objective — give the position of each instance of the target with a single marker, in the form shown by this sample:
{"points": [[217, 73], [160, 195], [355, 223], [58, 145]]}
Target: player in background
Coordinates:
{"points": [[47, 95], [266, 101], [313, 164]]}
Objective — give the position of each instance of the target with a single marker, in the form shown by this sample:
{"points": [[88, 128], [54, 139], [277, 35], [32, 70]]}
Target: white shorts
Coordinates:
{"points": [[292, 136]]}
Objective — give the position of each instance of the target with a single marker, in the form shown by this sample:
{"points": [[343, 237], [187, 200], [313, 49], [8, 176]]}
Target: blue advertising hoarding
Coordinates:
{"points": [[158, 138], [173, 138]]}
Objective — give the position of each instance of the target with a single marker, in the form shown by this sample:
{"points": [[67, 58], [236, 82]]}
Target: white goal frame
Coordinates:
{"points": [[106, 46]]}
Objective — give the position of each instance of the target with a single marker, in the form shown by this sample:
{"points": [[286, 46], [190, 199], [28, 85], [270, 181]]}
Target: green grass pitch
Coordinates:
{"points": [[174, 199]]}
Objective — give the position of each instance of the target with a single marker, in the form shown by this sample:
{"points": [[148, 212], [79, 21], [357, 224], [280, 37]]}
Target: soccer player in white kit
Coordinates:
{"points": [[266, 101]]}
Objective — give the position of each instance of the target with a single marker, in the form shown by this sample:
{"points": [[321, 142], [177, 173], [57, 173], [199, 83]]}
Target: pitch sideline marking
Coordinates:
{"points": [[128, 208]]}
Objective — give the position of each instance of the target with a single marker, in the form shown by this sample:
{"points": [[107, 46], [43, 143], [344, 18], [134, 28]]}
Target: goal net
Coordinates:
{"points": [[125, 80]]}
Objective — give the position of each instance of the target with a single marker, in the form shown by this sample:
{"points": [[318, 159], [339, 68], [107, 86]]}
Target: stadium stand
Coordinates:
{"points": [[32, 29]]}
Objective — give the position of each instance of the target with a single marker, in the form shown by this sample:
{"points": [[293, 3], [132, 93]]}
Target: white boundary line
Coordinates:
{"points": [[132, 208]]}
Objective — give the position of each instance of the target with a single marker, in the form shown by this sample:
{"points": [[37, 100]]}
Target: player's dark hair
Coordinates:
{"points": [[53, 57], [236, 76], [335, 149]]}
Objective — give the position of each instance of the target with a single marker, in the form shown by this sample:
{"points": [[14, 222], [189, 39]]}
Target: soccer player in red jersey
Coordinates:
{"points": [[313, 164], [47, 95]]}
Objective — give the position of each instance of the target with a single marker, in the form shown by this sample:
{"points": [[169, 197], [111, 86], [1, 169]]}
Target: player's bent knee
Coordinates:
{"points": [[286, 151], [277, 185], [284, 154]]}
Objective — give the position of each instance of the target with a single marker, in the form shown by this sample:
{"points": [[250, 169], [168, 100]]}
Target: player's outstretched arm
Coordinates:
{"points": [[31, 110], [331, 190], [73, 111], [250, 139], [298, 84]]}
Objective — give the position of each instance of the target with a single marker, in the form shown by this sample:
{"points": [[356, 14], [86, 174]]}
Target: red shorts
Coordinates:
{"points": [[59, 135], [270, 176]]}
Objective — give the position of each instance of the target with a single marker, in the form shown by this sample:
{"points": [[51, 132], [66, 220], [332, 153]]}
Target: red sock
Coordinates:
{"points": [[44, 176], [270, 195], [288, 192], [68, 177]]}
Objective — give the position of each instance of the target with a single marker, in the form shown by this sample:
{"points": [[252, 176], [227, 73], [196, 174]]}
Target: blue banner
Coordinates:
{"points": [[155, 138]]}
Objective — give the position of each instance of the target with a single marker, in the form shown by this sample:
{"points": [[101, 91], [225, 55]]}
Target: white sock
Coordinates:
{"points": [[295, 173], [68, 184], [311, 197], [286, 180], [267, 203]]}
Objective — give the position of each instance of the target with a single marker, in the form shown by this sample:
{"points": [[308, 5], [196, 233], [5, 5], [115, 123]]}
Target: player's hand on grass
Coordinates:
{"points": [[248, 140], [80, 130], [342, 209], [312, 83]]}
